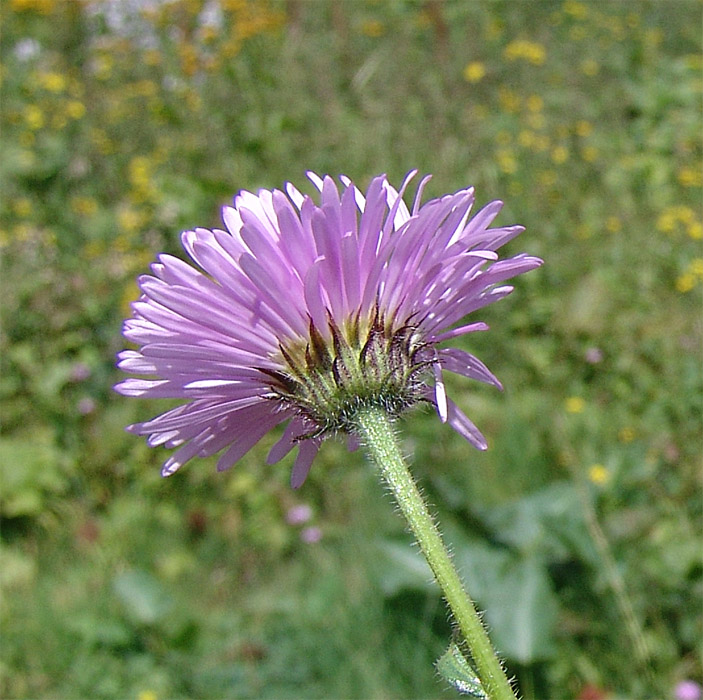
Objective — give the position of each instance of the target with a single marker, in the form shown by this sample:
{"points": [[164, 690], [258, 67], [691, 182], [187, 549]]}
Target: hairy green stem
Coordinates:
{"points": [[375, 429]]}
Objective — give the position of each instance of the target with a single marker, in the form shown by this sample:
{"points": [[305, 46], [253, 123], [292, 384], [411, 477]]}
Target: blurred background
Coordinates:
{"points": [[578, 531]]}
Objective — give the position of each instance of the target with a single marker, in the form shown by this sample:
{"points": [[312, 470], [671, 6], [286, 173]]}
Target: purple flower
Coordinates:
{"points": [[298, 515], [305, 312], [688, 690], [311, 535]]}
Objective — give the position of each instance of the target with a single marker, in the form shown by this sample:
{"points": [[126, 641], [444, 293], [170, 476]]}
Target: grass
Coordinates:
{"points": [[578, 531]]}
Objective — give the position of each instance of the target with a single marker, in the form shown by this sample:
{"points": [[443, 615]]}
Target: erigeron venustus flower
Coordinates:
{"points": [[306, 312]]}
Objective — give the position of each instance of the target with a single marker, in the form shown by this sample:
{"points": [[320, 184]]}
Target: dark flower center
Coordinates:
{"points": [[328, 381]]}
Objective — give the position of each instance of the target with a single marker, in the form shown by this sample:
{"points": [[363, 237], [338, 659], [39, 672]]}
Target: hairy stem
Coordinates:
{"points": [[375, 429]]}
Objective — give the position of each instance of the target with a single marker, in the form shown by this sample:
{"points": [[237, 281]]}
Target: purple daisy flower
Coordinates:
{"points": [[304, 313]]}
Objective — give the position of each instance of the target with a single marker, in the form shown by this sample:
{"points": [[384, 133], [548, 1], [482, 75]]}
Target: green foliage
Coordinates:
{"points": [[578, 531]]}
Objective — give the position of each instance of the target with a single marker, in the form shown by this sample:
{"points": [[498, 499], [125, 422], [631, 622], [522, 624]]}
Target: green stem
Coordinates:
{"points": [[375, 429]]}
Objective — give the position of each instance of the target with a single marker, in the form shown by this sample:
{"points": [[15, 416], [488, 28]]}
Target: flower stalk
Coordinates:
{"points": [[376, 431]]}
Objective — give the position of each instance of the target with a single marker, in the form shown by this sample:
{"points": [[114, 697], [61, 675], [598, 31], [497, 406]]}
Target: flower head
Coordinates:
{"points": [[304, 312]]}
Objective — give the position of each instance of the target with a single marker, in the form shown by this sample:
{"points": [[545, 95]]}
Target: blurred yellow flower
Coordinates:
{"points": [[690, 177], [34, 117], [84, 206], [548, 178], [598, 474], [523, 49], [102, 66], [129, 219], [535, 103], [151, 57], [536, 120], [526, 138], [583, 232], [494, 28], [666, 221], [53, 82], [685, 214], [574, 404], [372, 28], [685, 283], [633, 20], [560, 154], [653, 37], [506, 161], [474, 71], [613, 224], [576, 9], [589, 153], [44, 7], [583, 128], [626, 434], [509, 100], [695, 230], [589, 67], [147, 695], [696, 266], [75, 109], [22, 207]]}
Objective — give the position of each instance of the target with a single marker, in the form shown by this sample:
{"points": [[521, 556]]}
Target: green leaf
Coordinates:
{"points": [[515, 592], [30, 470], [401, 567], [457, 671], [522, 610]]}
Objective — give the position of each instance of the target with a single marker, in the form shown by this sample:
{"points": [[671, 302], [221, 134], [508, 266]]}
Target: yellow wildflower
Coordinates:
{"points": [[589, 153], [534, 103], [75, 109], [695, 230], [509, 100], [506, 161], [626, 434], [372, 28], [536, 120], [53, 82], [685, 283], [151, 57], [22, 207], [526, 138], [696, 266], [613, 224], [589, 67], [690, 177], [576, 9], [560, 154], [666, 221], [84, 206], [474, 71], [147, 695], [574, 404], [34, 117], [523, 49], [598, 474], [583, 128]]}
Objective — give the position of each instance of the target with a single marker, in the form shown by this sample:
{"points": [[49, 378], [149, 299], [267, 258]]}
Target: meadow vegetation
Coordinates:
{"points": [[578, 531]]}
